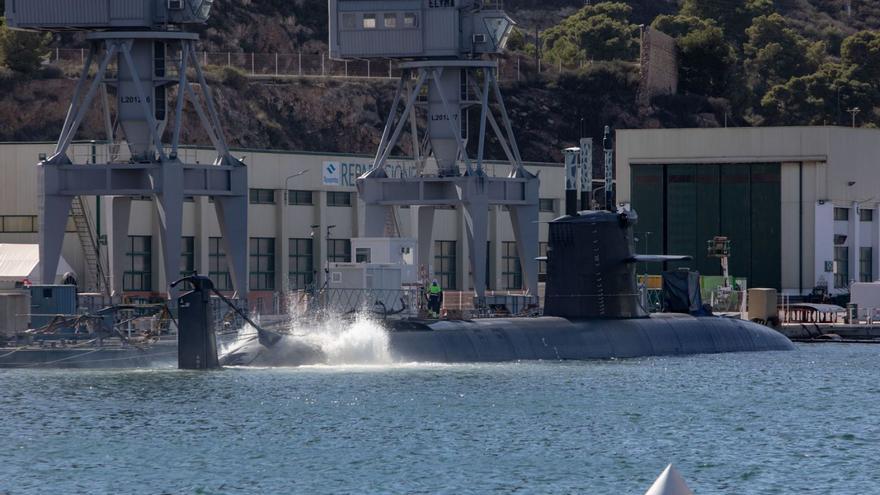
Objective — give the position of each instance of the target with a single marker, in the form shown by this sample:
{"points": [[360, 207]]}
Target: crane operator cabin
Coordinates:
{"points": [[416, 29], [54, 15]]}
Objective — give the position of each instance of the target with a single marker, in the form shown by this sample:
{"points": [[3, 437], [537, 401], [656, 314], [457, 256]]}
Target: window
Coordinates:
{"points": [[410, 20], [512, 270], [299, 198], [866, 215], [390, 21], [20, 224], [841, 274], [841, 214], [547, 205], [866, 264], [369, 21], [218, 269], [362, 255], [187, 256], [336, 198], [301, 271], [338, 250], [348, 21], [161, 105], [138, 264], [489, 282], [262, 261], [542, 265], [445, 264], [262, 196]]}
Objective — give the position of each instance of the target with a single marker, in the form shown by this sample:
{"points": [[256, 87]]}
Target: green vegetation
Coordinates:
{"points": [[824, 95], [22, 52], [762, 62], [706, 59], [595, 32]]}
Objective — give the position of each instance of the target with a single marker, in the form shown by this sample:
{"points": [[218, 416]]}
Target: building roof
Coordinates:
{"points": [[21, 261]]}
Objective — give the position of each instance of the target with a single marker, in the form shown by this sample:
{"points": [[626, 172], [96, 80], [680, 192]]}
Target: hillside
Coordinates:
{"points": [[765, 62]]}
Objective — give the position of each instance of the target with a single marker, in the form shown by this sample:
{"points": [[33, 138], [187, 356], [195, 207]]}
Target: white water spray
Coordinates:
{"points": [[345, 341], [356, 339]]}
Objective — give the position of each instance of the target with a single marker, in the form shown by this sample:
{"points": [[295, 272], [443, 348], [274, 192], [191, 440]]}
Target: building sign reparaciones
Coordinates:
{"points": [[343, 174]]}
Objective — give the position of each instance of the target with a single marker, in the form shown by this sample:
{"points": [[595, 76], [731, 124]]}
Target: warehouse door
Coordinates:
{"points": [[682, 206]]}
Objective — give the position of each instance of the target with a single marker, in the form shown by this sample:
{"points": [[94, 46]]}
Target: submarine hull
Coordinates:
{"points": [[545, 338], [551, 338], [163, 354]]}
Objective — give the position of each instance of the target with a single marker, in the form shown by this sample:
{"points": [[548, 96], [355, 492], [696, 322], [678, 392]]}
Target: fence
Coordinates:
{"points": [[511, 67], [404, 302]]}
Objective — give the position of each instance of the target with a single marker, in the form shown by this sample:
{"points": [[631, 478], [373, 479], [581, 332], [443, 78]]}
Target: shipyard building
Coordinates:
{"points": [[800, 205], [298, 223]]}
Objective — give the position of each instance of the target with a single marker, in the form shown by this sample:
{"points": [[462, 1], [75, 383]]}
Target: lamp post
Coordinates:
{"points": [[316, 228], [287, 181], [854, 112], [327, 258]]}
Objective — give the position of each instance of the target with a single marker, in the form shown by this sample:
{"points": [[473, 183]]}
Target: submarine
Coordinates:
{"points": [[592, 310]]}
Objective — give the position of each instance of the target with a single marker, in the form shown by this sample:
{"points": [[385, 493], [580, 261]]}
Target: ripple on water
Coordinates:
{"points": [[747, 423]]}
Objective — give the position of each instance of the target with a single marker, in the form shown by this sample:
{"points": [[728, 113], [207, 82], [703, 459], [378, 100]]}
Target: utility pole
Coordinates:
{"points": [[849, 8], [327, 258]]}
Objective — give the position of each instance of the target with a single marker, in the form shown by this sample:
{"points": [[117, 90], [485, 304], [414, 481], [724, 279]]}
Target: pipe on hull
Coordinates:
{"points": [[545, 338]]}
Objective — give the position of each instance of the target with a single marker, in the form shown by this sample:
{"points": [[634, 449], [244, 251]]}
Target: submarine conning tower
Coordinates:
{"points": [[590, 267]]}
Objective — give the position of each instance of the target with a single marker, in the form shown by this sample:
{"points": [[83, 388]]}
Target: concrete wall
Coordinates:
{"points": [[821, 167]]}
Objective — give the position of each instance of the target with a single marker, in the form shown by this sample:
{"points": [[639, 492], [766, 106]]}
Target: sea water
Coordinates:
{"points": [[797, 422]]}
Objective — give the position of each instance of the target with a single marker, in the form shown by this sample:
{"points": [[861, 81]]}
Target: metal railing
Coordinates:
{"points": [[511, 66], [382, 302]]}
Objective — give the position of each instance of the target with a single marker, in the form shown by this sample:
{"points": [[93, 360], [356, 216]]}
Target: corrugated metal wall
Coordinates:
{"points": [[55, 12], [441, 29], [380, 42], [130, 10]]}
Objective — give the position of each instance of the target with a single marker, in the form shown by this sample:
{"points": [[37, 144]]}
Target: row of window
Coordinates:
{"points": [[300, 255], [842, 215], [299, 198], [28, 224], [137, 275], [386, 20], [866, 266], [445, 262]]}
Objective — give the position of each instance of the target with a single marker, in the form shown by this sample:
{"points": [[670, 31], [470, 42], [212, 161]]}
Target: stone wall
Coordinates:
{"points": [[659, 65]]}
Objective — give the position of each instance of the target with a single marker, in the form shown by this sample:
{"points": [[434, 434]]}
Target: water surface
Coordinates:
{"points": [[797, 422]]}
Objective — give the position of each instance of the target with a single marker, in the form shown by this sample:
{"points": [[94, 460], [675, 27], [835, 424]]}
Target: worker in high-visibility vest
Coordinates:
{"points": [[435, 298]]}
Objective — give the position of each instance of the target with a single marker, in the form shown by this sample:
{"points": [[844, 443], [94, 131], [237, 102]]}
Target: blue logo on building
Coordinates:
{"points": [[331, 174]]}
